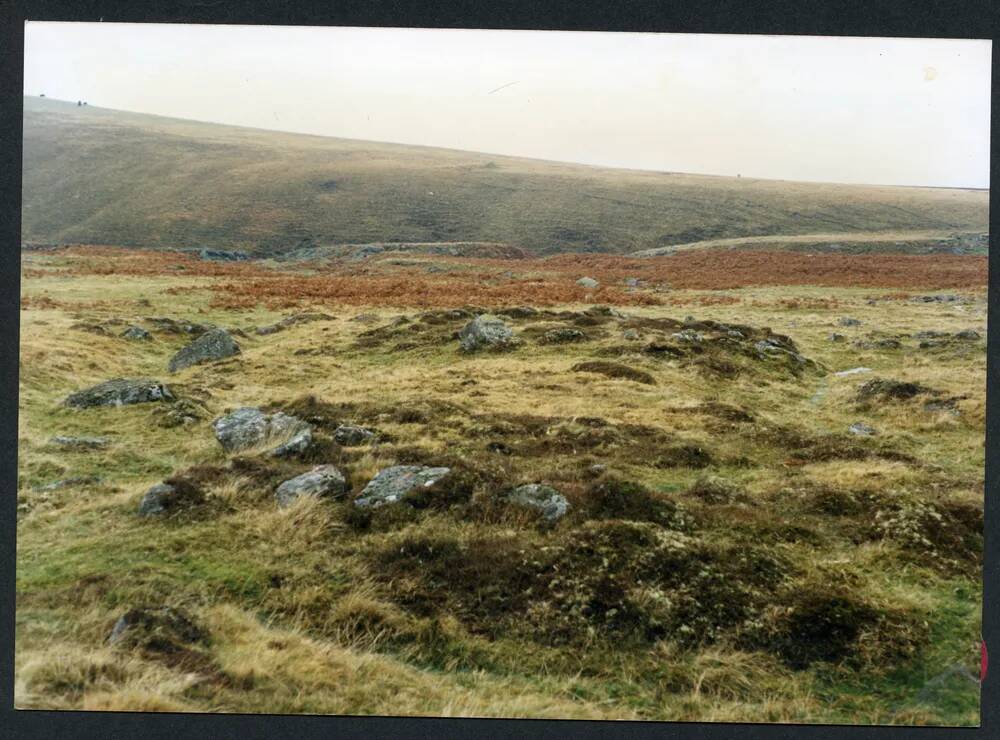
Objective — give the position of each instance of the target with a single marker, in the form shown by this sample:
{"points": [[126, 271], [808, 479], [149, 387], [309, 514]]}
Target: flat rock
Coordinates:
{"points": [[486, 331], [545, 499], [120, 392], [323, 480], [250, 427], [391, 484], [214, 344], [80, 443]]}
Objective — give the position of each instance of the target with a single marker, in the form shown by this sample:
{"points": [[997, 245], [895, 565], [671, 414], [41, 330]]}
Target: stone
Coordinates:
{"points": [[220, 255], [632, 335], [390, 484], [545, 499], [80, 443], [323, 480], [300, 318], [861, 429], [853, 371], [80, 480], [136, 333], [120, 392], [165, 498], [486, 331], [214, 344], [632, 282], [352, 436], [835, 337], [968, 334], [250, 427], [157, 629], [587, 282], [848, 321], [562, 336]]}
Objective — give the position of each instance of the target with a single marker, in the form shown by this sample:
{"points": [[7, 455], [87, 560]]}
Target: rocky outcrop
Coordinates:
{"points": [[323, 480], [391, 484], [250, 427], [215, 344], [486, 331], [120, 392]]}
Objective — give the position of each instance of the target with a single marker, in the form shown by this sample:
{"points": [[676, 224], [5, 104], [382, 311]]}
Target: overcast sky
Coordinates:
{"points": [[890, 111]]}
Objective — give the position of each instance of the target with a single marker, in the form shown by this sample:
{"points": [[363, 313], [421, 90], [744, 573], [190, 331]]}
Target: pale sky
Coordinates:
{"points": [[860, 110]]}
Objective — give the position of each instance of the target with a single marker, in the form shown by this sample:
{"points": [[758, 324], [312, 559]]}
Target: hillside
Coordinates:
{"points": [[99, 176]]}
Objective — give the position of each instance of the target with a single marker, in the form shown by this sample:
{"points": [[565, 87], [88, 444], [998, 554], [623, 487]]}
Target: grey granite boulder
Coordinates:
{"points": [[545, 499], [352, 436], [323, 480], [486, 331], [391, 484], [166, 498], [215, 344], [120, 392], [250, 427]]}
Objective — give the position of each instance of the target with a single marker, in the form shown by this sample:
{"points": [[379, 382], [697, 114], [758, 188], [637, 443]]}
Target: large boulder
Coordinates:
{"points": [[548, 501], [166, 498], [250, 427], [214, 344], [157, 629], [486, 331], [323, 480], [391, 484], [120, 392]]}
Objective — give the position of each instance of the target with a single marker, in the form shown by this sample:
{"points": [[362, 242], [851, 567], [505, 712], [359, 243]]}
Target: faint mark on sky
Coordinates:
{"points": [[497, 89]]}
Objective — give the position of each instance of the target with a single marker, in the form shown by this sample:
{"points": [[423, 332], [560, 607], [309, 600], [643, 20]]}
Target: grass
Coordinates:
{"points": [[99, 176], [732, 502]]}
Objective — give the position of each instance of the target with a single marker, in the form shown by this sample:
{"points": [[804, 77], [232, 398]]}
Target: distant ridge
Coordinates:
{"points": [[94, 175]]}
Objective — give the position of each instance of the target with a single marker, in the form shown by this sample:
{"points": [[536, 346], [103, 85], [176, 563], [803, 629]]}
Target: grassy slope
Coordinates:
{"points": [[284, 608], [108, 177]]}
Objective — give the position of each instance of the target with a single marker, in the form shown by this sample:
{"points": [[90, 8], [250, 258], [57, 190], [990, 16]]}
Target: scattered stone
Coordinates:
{"points": [[136, 333], [545, 499], [632, 335], [323, 480], [391, 484], [220, 255], [180, 413], [861, 429], [519, 312], [301, 318], [179, 326], [632, 282], [365, 318], [848, 321], [944, 405], [879, 344], [352, 436], [486, 331], [166, 498], [853, 371], [159, 629], [930, 334], [587, 282], [250, 427], [120, 392], [214, 344], [81, 443], [968, 334], [91, 328], [835, 337], [562, 336], [887, 390], [944, 298], [80, 480]]}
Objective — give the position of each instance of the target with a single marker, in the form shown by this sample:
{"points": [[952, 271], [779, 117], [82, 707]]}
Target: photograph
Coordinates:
{"points": [[517, 374]]}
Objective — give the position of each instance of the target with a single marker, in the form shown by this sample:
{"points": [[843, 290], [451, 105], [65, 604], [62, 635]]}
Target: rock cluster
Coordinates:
{"points": [[120, 392]]}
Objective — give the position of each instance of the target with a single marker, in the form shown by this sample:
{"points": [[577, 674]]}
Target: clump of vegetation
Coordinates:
{"points": [[615, 370], [616, 499], [715, 490]]}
